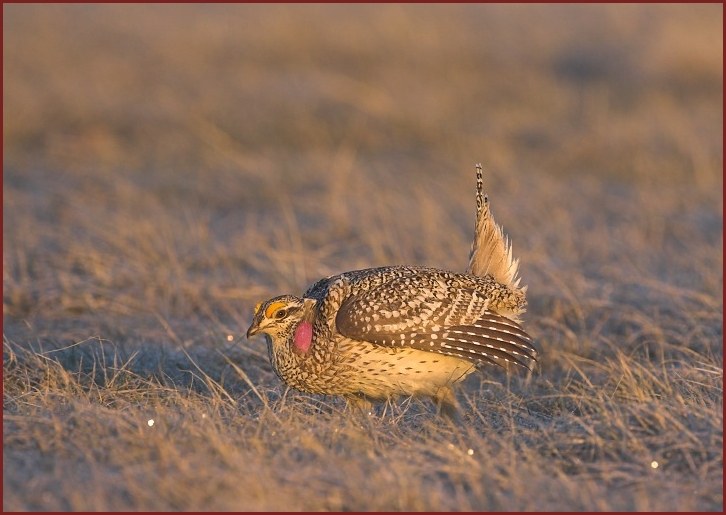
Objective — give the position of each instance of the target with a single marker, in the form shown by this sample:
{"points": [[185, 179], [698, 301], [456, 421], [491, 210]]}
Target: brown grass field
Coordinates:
{"points": [[165, 167]]}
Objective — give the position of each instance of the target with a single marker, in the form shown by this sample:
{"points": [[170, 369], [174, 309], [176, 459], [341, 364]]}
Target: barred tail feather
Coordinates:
{"points": [[492, 339], [491, 250], [468, 350], [490, 342]]}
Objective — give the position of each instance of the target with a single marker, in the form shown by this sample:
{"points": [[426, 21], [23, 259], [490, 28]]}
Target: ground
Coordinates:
{"points": [[167, 167]]}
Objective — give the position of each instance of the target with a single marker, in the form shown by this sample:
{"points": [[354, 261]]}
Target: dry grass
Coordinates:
{"points": [[165, 167]]}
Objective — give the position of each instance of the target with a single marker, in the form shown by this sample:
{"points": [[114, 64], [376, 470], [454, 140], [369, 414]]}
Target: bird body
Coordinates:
{"points": [[380, 333], [390, 331]]}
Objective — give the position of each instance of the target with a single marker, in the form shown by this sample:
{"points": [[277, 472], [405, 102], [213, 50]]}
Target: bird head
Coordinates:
{"points": [[280, 315]]}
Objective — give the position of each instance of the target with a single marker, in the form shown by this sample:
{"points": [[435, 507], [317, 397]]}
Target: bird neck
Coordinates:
{"points": [[302, 337]]}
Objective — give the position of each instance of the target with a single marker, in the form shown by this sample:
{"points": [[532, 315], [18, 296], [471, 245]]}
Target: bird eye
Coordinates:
{"points": [[280, 314]]}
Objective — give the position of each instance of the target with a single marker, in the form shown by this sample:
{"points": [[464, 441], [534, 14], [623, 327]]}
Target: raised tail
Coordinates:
{"points": [[491, 250]]}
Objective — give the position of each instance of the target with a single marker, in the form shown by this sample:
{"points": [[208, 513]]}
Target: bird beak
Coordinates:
{"points": [[253, 329]]}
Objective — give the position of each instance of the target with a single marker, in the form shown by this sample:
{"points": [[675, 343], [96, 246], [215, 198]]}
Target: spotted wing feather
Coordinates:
{"points": [[429, 313]]}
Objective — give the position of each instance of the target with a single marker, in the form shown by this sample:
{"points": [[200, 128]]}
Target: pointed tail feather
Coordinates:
{"points": [[491, 250]]}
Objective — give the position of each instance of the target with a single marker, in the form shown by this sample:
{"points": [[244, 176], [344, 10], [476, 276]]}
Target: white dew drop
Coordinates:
{"points": [[470, 452], [230, 337], [150, 422], [204, 415], [654, 464]]}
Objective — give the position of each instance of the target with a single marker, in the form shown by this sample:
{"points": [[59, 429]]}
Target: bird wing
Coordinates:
{"points": [[433, 313]]}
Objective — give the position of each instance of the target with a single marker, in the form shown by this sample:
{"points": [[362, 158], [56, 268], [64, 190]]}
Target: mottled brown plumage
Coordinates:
{"points": [[401, 330]]}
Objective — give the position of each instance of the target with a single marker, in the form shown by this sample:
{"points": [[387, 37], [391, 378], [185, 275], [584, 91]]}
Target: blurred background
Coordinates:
{"points": [[336, 132], [167, 166]]}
